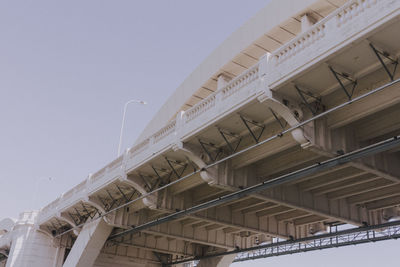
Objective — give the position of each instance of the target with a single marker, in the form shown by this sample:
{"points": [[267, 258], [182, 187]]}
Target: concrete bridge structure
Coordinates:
{"points": [[288, 129]]}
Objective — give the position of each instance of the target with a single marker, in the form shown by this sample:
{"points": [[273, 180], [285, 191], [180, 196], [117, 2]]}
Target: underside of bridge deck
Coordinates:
{"points": [[343, 102]]}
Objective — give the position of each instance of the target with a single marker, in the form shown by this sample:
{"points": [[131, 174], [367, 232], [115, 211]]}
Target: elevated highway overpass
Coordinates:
{"points": [[289, 129]]}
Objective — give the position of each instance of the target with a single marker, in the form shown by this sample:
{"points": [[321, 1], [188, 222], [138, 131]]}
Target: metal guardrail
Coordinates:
{"points": [[235, 90], [149, 145], [333, 239]]}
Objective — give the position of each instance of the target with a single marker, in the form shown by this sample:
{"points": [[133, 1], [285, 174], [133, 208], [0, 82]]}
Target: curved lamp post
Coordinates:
{"points": [[123, 120]]}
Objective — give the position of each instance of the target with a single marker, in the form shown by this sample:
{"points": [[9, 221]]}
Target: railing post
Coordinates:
{"points": [[222, 81], [179, 125], [264, 65], [306, 22]]}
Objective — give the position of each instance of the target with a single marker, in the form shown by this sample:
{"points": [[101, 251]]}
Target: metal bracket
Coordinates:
{"points": [[89, 214], [278, 120], [317, 100], [156, 171], [217, 150], [379, 55], [171, 164], [146, 183], [122, 193], [113, 200], [81, 217], [73, 218], [102, 202], [226, 135], [256, 124], [191, 164], [346, 77]]}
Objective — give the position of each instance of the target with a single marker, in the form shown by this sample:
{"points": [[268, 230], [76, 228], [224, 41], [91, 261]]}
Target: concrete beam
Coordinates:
{"points": [[155, 243], [190, 237], [221, 261]]}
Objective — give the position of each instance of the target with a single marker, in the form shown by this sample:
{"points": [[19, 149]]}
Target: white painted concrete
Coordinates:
{"points": [[30, 247], [88, 244], [276, 12]]}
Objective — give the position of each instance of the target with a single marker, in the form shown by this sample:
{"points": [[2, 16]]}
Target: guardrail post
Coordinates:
{"points": [[263, 65], [179, 125]]}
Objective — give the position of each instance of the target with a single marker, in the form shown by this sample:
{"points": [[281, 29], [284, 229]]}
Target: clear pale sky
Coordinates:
{"points": [[68, 67]]}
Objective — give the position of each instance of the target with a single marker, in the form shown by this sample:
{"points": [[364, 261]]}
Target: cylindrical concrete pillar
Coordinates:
{"points": [[30, 247]]}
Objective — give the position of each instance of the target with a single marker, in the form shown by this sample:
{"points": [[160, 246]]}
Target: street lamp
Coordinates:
{"points": [[123, 120]]}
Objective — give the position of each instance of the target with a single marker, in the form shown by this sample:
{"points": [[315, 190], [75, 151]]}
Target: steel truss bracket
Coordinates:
{"points": [[81, 217], [175, 165], [278, 120], [160, 180], [191, 163], [315, 105], [88, 214], [211, 150], [258, 126], [126, 198], [381, 55], [342, 76], [230, 139], [73, 218], [146, 183], [113, 200], [103, 202]]}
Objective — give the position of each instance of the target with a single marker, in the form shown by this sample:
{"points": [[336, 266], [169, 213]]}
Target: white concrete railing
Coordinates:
{"points": [[320, 41], [346, 24], [158, 142]]}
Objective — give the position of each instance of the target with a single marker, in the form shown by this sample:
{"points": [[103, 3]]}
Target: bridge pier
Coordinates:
{"points": [[30, 247], [88, 244]]}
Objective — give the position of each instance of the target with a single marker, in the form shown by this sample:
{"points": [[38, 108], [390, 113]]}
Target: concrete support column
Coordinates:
{"points": [[223, 261], [60, 254], [30, 247], [88, 244]]}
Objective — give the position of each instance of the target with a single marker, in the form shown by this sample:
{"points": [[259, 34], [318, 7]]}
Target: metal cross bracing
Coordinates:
{"points": [[382, 56], [119, 196], [315, 106], [344, 78], [339, 160], [82, 212], [288, 130], [346, 82], [335, 238], [211, 149], [174, 171], [255, 130], [232, 140], [257, 127]]}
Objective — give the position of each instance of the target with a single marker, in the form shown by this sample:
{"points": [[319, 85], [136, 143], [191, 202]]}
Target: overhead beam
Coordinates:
{"points": [[366, 151]]}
